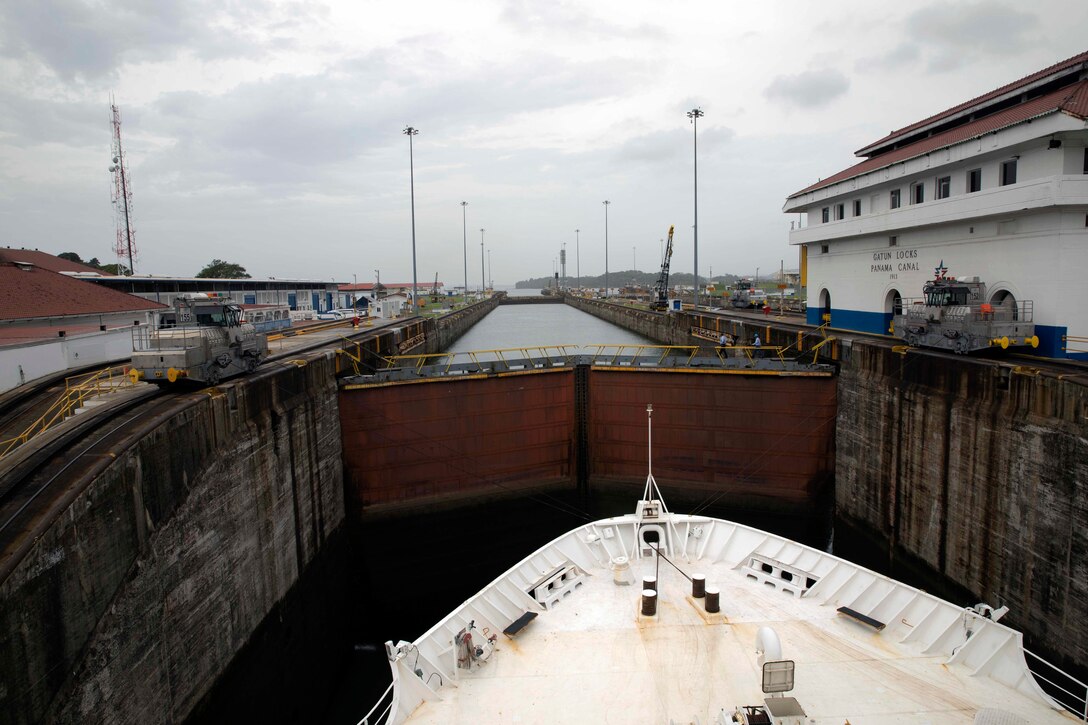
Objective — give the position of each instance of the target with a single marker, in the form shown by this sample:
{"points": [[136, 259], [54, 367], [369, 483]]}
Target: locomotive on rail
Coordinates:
{"points": [[954, 314], [204, 339]]}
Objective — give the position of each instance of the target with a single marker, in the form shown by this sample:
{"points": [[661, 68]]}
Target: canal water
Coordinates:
{"points": [[520, 326]]}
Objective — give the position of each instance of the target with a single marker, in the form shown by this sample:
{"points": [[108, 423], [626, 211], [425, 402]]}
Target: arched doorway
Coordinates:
{"points": [[1007, 302], [825, 306], [893, 305]]}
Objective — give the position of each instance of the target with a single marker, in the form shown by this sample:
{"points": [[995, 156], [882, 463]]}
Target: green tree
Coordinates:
{"points": [[120, 270], [217, 268], [70, 256]]}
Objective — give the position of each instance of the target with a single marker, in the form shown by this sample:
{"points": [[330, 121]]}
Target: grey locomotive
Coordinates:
{"points": [[203, 338], [954, 314]]}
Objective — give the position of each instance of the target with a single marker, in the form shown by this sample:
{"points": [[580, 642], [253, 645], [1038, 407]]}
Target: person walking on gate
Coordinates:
{"points": [[757, 344]]}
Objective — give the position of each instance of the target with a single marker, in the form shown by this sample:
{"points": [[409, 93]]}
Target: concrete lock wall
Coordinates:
{"points": [[976, 472], [139, 594]]}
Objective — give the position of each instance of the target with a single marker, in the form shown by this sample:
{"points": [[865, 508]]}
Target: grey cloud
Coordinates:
{"points": [[673, 146], [570, 19], [85, 41], [290, 132], [32, 121], [810, 89], [954, 35], [902, 55]]}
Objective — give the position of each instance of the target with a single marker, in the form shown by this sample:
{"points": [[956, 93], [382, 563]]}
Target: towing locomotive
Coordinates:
{"points": [[954, 314], [203, 339]]}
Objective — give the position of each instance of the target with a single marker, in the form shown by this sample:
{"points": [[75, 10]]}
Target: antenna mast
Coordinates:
{"points": [[121, 194]]}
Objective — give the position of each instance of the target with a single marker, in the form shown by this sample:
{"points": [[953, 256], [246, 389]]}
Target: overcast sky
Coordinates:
{"points": [[270, 133]]}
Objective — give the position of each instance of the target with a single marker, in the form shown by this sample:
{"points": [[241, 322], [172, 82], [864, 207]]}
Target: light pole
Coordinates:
{"points": [[695, 114], [578, 257], [483, 285], [464, 235], [410, 132], [490, 279], [634, 263], [606, 288]]}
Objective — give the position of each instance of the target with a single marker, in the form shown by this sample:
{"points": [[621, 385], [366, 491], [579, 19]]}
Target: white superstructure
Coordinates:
{"points": [[995, 188]]}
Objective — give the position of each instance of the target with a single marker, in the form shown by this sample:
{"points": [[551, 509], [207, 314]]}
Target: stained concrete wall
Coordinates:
{"points": [[671, 329], [975, 471], [137, 597], [444, 331]]}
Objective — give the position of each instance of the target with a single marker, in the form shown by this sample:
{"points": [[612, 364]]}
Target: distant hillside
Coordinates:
{"points": [[625, 278]]}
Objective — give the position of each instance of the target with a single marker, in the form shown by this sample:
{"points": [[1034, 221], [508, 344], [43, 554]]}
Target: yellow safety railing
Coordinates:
{"points": [[636, 352], [78, 389], [752, 352], [538, 355], [544, 354]]}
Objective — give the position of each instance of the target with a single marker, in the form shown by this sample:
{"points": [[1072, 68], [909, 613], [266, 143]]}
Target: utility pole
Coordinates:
{"points": [[410, 132], [695, 114], [578, 256], [464, 242], [606, 287]]}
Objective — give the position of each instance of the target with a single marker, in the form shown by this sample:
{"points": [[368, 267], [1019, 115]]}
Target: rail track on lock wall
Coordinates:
{"points": [[42, 476], [42, 479], [1073, 371]]}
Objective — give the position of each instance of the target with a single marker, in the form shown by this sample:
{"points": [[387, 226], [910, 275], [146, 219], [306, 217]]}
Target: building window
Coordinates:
{"points": [[895, 202], [826, 214], [857, 207], [944, 187], [917, 193], [824, 248], [1008, 172], [974, 180], [893, 241], [840, 211]]}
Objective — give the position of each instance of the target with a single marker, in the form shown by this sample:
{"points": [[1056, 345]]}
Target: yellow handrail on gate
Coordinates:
{"points": [[78, 389]]}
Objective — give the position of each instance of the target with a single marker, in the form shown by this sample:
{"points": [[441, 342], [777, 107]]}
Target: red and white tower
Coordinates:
{"points": [[122, 195]]}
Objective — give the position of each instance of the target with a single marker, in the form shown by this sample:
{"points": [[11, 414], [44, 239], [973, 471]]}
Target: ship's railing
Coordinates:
{"points": [[1067, 691], [78, 389], [370, 718]]}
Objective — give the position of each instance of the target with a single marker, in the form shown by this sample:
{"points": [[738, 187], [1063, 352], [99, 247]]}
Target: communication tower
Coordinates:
{"points": [[122, 195]]}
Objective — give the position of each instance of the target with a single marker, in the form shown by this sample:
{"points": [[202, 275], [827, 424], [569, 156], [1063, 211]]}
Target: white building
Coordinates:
{"points": [[996, 187]]}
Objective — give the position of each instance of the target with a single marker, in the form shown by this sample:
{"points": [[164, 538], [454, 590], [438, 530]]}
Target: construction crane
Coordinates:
{"points": [[434, 290], [660, 300]]}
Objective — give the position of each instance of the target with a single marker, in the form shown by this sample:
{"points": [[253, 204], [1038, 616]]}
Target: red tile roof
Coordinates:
{"points": [[1072, 100], [43, 260], [33, 293], [1055, 69]]}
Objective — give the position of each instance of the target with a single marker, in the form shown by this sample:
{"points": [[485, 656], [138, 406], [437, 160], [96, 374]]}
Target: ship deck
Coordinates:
{"points": [[594, 658]]}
